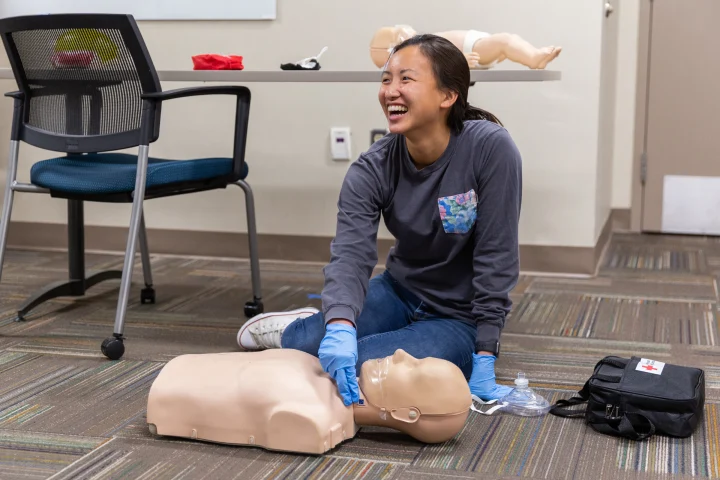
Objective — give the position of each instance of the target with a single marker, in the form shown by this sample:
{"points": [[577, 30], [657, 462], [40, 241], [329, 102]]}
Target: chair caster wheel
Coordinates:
{"points": [[253, 308], [147, 295], [113, 348]]}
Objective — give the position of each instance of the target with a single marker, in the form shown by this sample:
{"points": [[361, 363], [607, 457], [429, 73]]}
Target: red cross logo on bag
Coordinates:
{"points": [[650, 366]]}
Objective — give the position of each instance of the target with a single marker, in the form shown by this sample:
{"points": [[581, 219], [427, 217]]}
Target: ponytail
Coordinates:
{"points": [[462, 111], [475, 113]]}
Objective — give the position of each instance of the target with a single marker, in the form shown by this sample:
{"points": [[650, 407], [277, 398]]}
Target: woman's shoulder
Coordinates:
{"points": [[382, 150], [490, 146], [383, 145], [486, 135], [483, 129]]}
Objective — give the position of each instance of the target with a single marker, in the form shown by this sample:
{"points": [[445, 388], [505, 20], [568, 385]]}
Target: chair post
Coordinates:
{"points": [[113, 347], [11, 176], [147, 294], [255, 306], [8, 201], [76, 246]]}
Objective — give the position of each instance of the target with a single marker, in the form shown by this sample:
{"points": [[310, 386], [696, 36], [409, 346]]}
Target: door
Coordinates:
{"points": [[681, 191]]}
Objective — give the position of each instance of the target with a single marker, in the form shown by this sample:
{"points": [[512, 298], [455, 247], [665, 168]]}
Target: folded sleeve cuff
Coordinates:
{"points": [[487, 333], [342, 312]]}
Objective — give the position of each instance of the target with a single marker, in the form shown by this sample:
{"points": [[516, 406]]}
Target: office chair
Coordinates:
{"points": [[86, 88]]}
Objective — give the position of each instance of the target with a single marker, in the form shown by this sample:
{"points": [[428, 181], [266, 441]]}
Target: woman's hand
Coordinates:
{"points": [[482, 380], [338, 356]]}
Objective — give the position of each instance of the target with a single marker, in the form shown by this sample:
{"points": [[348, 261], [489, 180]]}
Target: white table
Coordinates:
{"points": [[331, 76]]}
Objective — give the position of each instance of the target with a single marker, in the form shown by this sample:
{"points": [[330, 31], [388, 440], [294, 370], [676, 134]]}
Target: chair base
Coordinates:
{"points": [[71, 288], [78, 283]]}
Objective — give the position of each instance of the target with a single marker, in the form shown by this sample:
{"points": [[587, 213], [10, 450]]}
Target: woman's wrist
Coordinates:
{"points": [[342, 321]]}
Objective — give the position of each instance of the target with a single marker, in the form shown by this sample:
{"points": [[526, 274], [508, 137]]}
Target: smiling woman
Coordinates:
{"points": [[447, 180], [426, 71]]}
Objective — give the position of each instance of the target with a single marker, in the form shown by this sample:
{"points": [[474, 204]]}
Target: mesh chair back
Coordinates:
{"points": [[80, 78]]}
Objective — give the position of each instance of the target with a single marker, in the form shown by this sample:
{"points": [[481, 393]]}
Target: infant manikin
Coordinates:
{"points": [[281, 399], [481, 49]]}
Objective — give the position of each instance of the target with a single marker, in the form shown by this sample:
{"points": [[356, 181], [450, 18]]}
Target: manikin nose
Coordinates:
{"points": [[399, 356]]}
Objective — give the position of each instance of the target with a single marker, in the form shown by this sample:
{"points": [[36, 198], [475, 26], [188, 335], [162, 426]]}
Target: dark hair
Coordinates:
{"points": [[452, 72]]}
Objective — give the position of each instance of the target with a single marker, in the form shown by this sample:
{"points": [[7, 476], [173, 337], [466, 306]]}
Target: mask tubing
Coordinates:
{"points": [[379, 374], [489, 411]]}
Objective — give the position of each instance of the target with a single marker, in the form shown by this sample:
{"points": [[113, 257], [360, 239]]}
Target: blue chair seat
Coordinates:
{"points": [[108, 173]]}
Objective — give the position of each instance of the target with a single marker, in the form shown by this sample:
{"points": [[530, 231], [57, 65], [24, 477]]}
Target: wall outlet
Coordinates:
{"points": [[340, 147], [376, 134]]}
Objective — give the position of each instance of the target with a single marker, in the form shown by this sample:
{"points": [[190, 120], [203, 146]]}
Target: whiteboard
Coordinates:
{"points": [[149, 9]]}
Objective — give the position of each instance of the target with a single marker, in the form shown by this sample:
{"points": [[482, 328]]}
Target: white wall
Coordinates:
{"points": [[555, 124], [606, 134], [625, 103]]}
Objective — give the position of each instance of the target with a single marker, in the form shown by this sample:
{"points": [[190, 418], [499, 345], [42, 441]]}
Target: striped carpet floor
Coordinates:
{"points": [[66, 412]]}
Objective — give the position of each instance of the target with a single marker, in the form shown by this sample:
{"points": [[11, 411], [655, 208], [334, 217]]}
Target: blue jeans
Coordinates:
{"points": [[393, 318]]}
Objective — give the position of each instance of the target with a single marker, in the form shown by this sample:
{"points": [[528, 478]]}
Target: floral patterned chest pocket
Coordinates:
{"points": [[458, 212]]}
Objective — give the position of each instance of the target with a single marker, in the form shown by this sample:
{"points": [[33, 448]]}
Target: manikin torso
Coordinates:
{"points": [[281, 399]]}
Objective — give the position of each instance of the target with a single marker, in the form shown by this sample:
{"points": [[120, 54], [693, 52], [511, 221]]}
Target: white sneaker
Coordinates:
{"points": [[265, 330]]}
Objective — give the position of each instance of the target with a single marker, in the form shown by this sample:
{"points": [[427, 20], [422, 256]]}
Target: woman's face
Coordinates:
{"points": [[409, 93]]}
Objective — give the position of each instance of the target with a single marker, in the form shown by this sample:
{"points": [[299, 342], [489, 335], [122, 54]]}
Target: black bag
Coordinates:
{"points": [[638, 398]]}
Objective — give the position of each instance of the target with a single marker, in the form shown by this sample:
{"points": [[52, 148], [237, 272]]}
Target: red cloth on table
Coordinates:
{"points": [[212, 61]]}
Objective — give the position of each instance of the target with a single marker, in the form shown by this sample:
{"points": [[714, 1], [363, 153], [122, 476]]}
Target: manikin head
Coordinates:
{"points": [[385, 39], [427, 398], [427, 78]]}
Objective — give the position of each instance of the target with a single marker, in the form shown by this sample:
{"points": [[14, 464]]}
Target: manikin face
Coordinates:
{"points": [[409, 94], [401, 380]]}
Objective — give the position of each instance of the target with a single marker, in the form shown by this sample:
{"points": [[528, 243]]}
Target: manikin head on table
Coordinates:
{"points": [[387, 38], [281, 399]]}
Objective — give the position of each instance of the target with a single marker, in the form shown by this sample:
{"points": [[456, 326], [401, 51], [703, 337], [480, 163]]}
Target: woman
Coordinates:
{"points": [[447, 180]]}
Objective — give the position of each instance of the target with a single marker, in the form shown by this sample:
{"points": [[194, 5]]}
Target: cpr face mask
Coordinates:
{"points": [[521, 400]]}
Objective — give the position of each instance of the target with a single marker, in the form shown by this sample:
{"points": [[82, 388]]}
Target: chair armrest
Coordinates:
{"points": [[242, 114], [17, 118], [195, 91]]}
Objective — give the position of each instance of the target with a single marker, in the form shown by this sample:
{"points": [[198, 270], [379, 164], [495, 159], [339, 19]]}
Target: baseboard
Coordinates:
{"points": [[620, 219], [535, 258]]}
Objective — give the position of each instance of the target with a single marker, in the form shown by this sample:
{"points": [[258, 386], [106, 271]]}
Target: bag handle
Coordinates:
{"points": [[614, 361], [582, 397], [626, 428]]}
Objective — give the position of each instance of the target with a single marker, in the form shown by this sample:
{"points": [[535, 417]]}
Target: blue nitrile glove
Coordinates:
{"points": [[482, 380], [338, 356]]}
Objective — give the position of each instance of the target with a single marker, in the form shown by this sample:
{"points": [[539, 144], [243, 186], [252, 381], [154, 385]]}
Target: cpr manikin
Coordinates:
{"points": [[483, 50], [281, 399]]}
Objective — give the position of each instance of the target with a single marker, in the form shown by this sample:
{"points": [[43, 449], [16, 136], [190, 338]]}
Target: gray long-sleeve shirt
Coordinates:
{"points": [[455, 224]]}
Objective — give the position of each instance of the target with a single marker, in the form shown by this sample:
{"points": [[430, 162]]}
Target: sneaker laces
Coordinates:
{"points": [[268, 334]]}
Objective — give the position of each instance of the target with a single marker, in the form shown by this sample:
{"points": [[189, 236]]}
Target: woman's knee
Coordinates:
{"points": [[304, 334], [453, 342]]}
